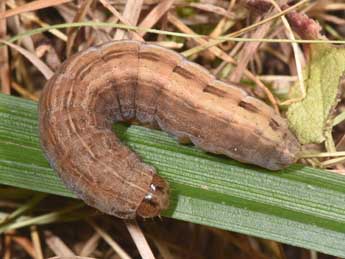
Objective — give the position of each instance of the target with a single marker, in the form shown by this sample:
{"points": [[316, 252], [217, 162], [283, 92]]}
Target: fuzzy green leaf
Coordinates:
{"points": [[308, 118]]}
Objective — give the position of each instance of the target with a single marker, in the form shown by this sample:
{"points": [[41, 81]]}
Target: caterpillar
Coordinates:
{"points": [[137, 82]]}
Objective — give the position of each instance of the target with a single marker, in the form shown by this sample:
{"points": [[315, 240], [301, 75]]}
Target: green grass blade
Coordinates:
{"points": [[299, 206]]}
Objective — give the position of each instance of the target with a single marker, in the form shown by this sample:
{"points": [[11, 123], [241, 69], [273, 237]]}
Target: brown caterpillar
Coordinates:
{"points": [[134, 81]]}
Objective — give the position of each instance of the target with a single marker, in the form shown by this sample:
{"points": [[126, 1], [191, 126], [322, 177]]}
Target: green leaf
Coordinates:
{"points": [[299, 205], [308, 118]]}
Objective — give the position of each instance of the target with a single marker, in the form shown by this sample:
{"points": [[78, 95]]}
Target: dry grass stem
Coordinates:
{"points": [[32, 6], [114, 245], [5, 78], [139, 239], [155, 15], [40, 65], [57, 245], [131, 14], [36, 242], [90, 245]]}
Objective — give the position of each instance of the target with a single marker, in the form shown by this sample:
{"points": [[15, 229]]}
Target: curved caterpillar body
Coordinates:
{"points": [[133, 81]]}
